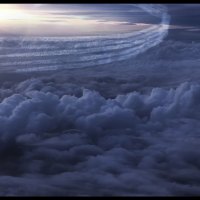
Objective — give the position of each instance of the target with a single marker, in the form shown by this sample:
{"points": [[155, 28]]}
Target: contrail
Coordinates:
{"points": [[51, 53]]}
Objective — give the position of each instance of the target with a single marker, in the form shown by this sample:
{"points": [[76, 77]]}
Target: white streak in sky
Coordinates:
{"points": [[52, 53]]}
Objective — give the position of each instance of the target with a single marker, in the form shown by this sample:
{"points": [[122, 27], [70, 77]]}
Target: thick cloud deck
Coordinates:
{"points": [[133, 144]]}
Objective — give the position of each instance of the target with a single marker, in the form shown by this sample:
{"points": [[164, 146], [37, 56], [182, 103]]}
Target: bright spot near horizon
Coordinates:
{"points": [[13, 13], [42, 19]]}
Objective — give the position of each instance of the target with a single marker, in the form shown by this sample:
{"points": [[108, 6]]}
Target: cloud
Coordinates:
{"points": [[69, 19], [53, 143], [123, 129]]}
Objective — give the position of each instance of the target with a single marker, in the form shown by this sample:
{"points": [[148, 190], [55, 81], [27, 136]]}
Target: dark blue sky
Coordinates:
{"points": [[185, 18]]}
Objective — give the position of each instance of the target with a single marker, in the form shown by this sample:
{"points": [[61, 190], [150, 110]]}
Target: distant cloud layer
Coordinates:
{"points": [[69, 19], [72, 19]]}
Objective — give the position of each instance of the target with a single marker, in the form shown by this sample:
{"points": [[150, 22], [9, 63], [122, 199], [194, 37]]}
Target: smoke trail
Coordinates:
{"points": [[158, 11], [85, 51]]}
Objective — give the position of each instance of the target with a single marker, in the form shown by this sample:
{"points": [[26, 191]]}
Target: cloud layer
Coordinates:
{"points": [[53, 143]]}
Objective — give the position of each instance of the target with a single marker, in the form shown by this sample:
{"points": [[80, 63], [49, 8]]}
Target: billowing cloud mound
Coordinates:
{"points": [[56, 143]]}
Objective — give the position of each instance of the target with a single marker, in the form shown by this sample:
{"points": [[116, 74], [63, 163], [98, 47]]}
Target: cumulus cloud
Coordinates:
{"points": [[56, 142], [128, 129]]}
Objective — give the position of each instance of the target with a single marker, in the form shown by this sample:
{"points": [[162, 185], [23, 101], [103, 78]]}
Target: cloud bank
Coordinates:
{"points": [[133, 144]]}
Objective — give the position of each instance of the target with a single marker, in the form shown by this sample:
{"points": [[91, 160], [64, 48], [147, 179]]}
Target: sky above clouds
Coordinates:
{"points": [[66, 19], [89, 19]]}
